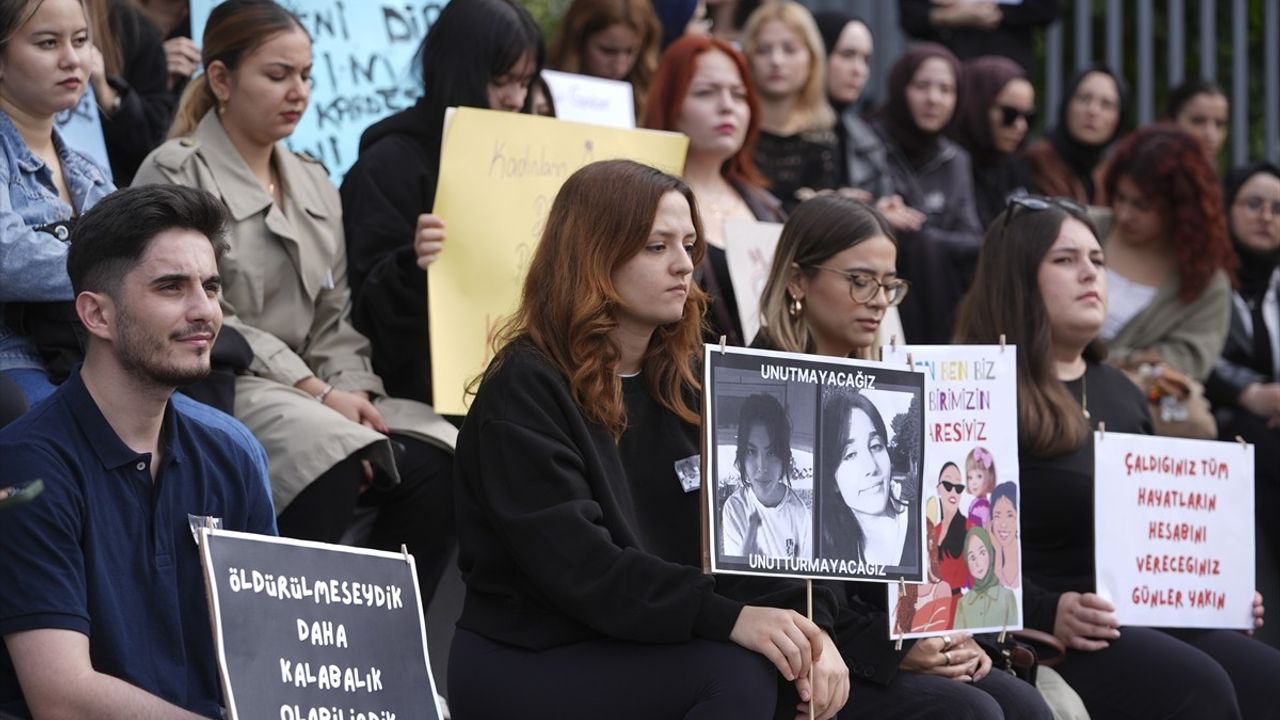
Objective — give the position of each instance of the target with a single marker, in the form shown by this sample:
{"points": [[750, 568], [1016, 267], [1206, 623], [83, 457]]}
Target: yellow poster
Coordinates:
{"points": [[499, 173]]}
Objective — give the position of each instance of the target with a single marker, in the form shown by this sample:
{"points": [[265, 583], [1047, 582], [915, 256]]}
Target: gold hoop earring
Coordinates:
{"points": [[797, 307]]}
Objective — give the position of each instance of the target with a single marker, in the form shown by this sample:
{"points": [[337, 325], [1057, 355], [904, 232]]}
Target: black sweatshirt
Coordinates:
{"points": [[551, 541]]}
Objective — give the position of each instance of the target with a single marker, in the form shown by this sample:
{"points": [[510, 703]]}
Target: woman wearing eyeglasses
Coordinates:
{"points": [[997, 107], [1243, 386], [832, 281], [1041, 284]]}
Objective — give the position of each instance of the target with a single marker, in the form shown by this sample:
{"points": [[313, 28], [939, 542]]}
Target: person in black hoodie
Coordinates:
{"points": [[997, 107], [578, 536], [479, 53]]}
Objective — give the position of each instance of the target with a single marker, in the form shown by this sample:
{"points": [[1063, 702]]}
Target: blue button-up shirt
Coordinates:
{"points": [[107, 552], [33, 264]]}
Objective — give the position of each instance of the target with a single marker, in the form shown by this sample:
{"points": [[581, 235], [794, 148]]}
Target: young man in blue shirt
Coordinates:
{"points": [[102, 603]]}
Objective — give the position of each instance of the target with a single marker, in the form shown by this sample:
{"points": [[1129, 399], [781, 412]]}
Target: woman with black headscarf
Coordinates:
{"points": [[997, 107], [1065, 163], [932, 174]]}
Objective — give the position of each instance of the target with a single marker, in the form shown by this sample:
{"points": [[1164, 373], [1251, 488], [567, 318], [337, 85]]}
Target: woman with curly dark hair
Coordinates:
{"points": [[1169, 263]]}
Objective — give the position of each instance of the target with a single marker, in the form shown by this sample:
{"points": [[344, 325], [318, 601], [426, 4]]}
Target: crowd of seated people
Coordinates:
{"points": [[210, 314]]}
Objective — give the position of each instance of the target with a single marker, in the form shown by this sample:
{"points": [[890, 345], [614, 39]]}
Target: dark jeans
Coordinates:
{"points": [[695, 680], [13, 402], [417, 512], [918, 696], [1200, 674]]}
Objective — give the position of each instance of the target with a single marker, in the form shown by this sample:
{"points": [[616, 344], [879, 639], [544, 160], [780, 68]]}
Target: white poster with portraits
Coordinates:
{"points": [[971, 493], [814, 466]]}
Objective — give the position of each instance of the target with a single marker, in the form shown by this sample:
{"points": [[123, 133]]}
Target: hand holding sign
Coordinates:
{"points": [[827, 688], [428, 239], [787, 638]]}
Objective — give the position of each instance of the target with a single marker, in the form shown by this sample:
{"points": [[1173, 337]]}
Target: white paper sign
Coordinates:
{"points": [[586, 99], [971, 492], [81, 129], [749, 249], [1174, 530]]}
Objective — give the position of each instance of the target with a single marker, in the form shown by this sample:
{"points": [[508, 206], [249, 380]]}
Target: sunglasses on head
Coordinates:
{"points": [[1009, 115], [1035, 203], [953, 487]]}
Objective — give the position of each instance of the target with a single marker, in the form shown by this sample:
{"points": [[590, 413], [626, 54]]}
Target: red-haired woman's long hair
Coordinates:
{"points": [[601, 218], [670, 85], [1169, 166]]}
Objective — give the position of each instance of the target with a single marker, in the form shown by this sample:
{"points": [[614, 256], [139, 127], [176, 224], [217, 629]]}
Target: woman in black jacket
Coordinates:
{"points": [[479, 53], [578, 538]]}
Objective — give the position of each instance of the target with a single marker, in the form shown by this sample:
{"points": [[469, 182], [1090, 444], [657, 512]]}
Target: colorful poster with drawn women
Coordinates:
{"points": [[971, 491], [815, 469]]}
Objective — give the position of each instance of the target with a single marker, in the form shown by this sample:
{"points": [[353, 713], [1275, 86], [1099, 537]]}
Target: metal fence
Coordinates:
{"points": [[1157, 34]]}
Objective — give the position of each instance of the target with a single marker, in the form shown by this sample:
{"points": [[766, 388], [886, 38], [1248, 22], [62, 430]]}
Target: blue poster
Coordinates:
{"points": [[364, 68], [81, 129]]}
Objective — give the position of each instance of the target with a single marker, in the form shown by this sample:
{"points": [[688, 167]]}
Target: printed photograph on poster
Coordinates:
{"points": [[1174, 530], [973, 567], [814, 466]]}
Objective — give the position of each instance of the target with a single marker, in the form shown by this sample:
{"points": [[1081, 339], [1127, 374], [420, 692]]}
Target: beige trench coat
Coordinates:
{"points": [[285, 289]]}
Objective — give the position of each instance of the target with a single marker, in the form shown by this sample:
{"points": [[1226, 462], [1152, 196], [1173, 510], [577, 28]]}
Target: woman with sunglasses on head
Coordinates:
{"points": [[1042, 285], [832, 280], [1066, 162], [478, 53], [932, 174], [1168, 267], [578, 540], [998, 105], [1244, 385]]}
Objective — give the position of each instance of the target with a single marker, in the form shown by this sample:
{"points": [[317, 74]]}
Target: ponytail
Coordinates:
{"points": [[197, 100]]}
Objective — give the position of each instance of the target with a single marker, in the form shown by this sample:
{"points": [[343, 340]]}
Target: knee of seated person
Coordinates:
{"points": [[742, 674]]}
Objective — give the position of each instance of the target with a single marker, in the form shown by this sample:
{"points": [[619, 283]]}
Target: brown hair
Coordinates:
{"points": [[600, 219], [819, 229], [588, 17], [1005, 299], [235, 29], [101, 30], [671, 86]]}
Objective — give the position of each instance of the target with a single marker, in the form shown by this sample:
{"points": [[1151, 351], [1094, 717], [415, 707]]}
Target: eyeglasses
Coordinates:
{"points": [[1257, 204], [1036, 203], [953, 487], [863, 287], [1009, 115]]}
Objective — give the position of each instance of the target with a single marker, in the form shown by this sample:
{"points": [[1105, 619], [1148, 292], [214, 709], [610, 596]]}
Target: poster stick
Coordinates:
{"points": [[911, 361], [723, 339], [893, 341], [1102, 430], [1243, 444], [902, 592], [1004, 632], [1001, 342], [808, 602], [404, 550]]}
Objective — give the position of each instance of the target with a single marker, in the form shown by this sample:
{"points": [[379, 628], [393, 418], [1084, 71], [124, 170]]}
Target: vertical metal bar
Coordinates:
{"points": [[1239, 81], [1115, 36], [1052, 70], [1084, 34], [1146, 61], [1208, 40], [1271, 79], [1177, 42]]}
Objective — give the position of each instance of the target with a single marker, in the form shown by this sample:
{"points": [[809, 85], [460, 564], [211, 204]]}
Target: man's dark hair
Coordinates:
{"points": [[112, 237]]}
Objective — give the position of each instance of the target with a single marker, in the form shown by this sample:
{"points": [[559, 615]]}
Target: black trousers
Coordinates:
{"points": [[13, 403], [417, 512], [1200, 674], [614, 679]]}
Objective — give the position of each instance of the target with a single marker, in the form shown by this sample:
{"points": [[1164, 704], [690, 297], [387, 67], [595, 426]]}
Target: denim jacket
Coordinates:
{"points": [[33, 263]]}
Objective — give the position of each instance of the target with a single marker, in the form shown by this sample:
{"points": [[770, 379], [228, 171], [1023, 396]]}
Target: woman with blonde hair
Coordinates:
{"points": [[798, 150], [612, 39]]}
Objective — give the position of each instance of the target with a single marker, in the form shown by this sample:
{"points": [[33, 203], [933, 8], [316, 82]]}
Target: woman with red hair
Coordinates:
{"points": [[1168, 260], [703, 89], [577, 537]]}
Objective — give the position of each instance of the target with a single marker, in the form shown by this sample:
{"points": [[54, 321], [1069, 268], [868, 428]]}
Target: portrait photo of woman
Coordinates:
{"points": [[988, 604], [864, 513], [765, 516]]}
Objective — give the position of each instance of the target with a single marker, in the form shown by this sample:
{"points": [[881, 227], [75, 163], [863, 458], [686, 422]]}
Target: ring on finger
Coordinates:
{"points": [[946, 641]]}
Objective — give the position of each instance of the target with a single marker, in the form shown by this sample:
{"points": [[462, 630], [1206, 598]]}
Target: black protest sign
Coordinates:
{"points": [[307, 631], [810, 472]]}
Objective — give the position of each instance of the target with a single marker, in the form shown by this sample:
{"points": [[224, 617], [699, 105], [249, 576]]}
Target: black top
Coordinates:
{"points": [[1014, 38], [1057, 497], [804, 160], [562, 534], [139, 125], [392, 182]]}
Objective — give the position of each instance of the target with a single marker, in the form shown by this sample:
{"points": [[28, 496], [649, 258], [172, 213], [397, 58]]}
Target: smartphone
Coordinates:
{"points": [[19, 494]]}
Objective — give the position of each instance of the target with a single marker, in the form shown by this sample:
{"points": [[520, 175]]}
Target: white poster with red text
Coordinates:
{"points": [[1174, 530]]}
